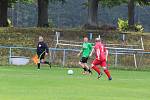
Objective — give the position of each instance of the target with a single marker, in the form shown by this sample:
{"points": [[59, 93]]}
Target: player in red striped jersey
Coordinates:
{"points": [[101, 57]]}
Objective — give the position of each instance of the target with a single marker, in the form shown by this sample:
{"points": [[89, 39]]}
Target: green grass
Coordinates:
{"points": [[27, 83]]}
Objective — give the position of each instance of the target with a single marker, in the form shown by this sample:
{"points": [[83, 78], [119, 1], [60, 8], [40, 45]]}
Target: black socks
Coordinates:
{"points": [[38, 65], [84, 69], [89, 71], [46, 62]]}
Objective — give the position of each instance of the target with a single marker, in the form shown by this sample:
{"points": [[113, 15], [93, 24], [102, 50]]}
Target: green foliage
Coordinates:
{"points": [[50, 23], [11, 2], [122, 24], [32, 1], [9, 23], [109, 3], [138, 28], [143, 2], [112, 3], [56, 1], [85, 5]]}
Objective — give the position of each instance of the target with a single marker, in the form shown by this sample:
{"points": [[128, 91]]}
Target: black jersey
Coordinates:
{"points": [[41, 47]]}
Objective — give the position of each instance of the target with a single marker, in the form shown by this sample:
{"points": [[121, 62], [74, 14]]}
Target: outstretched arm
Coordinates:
{"points": [[79, 53], [46, 48], [106, 55], [92, 52]]}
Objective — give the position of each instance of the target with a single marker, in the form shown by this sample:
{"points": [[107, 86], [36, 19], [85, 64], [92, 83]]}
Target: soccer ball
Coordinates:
{"points": [[70, 72]]}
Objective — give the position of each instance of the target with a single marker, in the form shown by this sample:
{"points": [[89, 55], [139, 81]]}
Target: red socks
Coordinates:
{"points": [[107, 73], [96, 69]]}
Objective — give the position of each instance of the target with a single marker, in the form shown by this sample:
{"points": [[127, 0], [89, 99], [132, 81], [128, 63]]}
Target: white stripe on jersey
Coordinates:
{"points": [[98, 53]]}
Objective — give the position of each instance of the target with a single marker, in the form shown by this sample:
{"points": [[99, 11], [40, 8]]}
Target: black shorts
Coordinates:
{"points": [[84, 59], [41, 56]]}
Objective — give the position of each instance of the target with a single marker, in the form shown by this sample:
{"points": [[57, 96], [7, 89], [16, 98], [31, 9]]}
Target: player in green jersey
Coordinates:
{"points": [[85, 52]]}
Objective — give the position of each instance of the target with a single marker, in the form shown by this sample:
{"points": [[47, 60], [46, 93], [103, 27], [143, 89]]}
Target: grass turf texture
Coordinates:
{"points": [[28, 83]]}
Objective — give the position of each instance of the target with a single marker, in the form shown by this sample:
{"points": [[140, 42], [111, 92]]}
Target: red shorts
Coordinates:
{"points": [[99, 62]]}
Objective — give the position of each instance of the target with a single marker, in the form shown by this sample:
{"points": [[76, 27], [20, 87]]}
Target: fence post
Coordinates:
{"points": [[116, 58], [142, 43], [10, 55], [135, 63], [50, 56], [64, 58]]}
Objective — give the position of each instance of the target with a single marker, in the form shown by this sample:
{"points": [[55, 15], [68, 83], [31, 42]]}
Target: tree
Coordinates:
{"points": [[3, 13], [131, 7], [43, 12], [131, 10], [93, 12], [4, 4]]}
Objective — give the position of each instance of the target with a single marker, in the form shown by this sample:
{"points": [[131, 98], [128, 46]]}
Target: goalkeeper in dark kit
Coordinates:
{"points": [[42, 51]]}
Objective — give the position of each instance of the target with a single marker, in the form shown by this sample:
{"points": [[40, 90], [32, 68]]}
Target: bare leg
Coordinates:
{"points": [[83, 66], [88, 68]]}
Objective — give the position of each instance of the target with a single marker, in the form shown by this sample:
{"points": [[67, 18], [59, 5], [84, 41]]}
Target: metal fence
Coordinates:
{"points": [[68, 57], [56, 55]]}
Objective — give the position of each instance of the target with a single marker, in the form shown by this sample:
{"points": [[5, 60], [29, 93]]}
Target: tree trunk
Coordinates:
{"points": [[43, 13], [3, 13], [93, 12], [131, 13]]}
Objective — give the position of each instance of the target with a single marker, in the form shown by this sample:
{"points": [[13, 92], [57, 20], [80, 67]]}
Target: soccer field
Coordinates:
{"points": [[28, 83]]}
